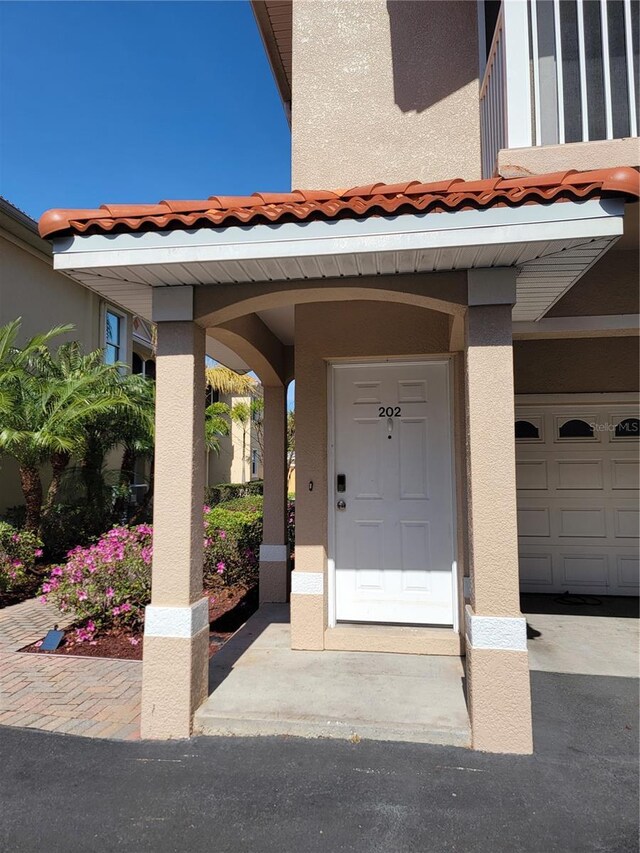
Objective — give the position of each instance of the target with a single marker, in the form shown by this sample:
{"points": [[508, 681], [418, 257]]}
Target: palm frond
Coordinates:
{"points": [[227, 381]]}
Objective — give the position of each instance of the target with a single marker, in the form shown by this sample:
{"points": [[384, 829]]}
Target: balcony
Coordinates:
{"points": [[556, 72]]}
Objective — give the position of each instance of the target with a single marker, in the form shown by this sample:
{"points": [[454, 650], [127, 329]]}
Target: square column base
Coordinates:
{"points": [[274, 574], [308, 610], [498, 684], [175, 669]]}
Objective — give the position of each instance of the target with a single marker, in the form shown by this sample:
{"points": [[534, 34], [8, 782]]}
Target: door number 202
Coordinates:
{"points": [[389, 411]]}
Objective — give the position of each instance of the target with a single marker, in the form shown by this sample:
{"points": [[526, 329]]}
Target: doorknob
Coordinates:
{"points": [[341, 505]]}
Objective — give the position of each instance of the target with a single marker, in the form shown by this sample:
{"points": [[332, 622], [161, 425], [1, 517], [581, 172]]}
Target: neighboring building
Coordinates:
{"points": [[31, 289], [239, 459], [484, 261]]}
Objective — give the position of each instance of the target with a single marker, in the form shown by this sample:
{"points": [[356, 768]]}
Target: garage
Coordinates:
{"points": [[577, 463]]}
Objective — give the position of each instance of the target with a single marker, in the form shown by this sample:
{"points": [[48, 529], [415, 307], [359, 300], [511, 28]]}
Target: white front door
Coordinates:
{"points": [[392, 493]]}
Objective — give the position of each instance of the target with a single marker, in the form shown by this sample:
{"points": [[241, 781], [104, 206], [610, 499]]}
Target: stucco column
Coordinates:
{"points": [[497, 661], [176, 635], [274, 551], [309, 604]]}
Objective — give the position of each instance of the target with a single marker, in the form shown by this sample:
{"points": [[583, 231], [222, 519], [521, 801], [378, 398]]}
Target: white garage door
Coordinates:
{"points": [[577, 477]]}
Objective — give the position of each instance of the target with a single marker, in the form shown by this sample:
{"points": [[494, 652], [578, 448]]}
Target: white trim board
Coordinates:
{"points": [[496, 632], [407, 232], [176, 622], [307, 583]]}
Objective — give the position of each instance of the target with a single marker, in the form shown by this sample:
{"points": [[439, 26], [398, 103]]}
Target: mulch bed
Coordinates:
{"points": [[229, 609]]}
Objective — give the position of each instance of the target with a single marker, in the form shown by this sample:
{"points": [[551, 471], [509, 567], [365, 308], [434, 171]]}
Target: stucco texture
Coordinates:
{"points": [[179, 465], [308, 622], [425, 112], [609, 287], [174, 683], [499, 700], [493, 551], [579, 365]]}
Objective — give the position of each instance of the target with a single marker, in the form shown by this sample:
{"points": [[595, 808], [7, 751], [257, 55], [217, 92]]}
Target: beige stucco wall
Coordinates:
{"points": [[31, 289], [609, 287], [578, 365], [411, 70]]}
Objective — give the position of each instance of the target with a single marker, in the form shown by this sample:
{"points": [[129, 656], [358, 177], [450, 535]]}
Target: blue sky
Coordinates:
{"points": [[136, 102]]}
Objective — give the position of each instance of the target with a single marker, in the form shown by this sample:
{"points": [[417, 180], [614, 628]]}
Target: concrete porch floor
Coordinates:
{"points": [[259, 686]]}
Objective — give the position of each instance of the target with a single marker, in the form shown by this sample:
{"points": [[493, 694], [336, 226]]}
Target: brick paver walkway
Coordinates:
{"points": [[88, 696]]}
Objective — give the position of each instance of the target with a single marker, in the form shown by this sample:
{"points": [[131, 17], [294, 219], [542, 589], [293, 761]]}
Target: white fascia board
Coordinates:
{"points": [[407, 232], [574, 327]]}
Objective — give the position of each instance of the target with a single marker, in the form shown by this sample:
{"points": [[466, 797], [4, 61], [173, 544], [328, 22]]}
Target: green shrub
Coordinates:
{"points": [[19, 551], [224, 492], [232, 546], [107, 584], [65, 527], [249, 503], [255, 503]]}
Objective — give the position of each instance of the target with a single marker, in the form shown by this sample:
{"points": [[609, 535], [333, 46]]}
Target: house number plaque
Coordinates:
{"points": [[389, 411]]}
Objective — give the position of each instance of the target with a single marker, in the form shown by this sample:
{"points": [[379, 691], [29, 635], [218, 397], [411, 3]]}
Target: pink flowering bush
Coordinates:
{"points": [[19, 551], [106, 584], [231, 546]]}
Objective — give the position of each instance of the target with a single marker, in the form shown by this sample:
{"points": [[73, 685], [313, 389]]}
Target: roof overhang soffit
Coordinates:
{"points": [[551, 245]]}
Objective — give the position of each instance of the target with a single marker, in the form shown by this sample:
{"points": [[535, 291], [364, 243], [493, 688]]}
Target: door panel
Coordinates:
{"points": [[394, 537]]}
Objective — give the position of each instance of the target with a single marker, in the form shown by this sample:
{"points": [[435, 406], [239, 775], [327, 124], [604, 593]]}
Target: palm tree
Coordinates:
{"points": [[228, 382], [15, 360], [128, 424], [216, 424], [100, 381], [241, 414], [55, 406], [42, 416]]}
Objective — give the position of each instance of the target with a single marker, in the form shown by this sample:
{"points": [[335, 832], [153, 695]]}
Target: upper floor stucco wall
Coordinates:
{"points": [[384, 91]]}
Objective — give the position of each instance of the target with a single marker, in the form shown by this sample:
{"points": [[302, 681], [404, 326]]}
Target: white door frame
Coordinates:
{"points": [[332, 366]]}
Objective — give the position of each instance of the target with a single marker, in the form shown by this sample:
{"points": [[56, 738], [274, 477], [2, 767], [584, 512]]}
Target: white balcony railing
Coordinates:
{"points": [[560, 71]]}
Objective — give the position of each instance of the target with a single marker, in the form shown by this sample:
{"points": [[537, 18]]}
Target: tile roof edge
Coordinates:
{"points": [[623, 180]]}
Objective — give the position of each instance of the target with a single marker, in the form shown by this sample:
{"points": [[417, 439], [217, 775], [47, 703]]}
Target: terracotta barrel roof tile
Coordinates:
{"points": [[375, 199]]}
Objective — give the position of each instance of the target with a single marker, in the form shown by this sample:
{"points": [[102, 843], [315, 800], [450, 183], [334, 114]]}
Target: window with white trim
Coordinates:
{"points": [[114, 336]]}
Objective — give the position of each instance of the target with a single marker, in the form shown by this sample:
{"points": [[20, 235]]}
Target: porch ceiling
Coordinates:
{"points": [[551, 246]]}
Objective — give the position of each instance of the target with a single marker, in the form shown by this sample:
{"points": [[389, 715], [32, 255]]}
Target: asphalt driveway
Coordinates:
{"points": [[579, 792]]}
